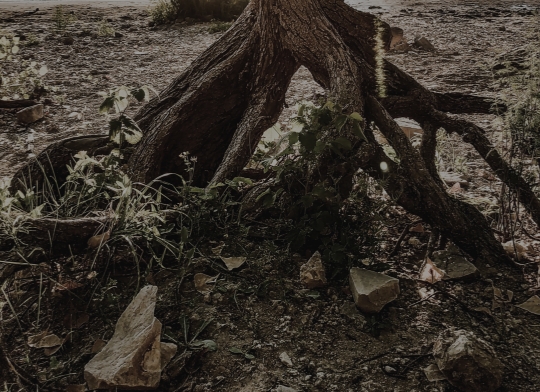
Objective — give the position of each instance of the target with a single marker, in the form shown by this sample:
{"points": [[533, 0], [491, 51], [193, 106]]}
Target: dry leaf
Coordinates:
{"points": [[532, 305], [419, 228], [204, 283], [430, 273], [483, 309], [233, 262], [67, 285], [218, 249], [44, 340], [97, 240], [51, 351], [98, 346]]}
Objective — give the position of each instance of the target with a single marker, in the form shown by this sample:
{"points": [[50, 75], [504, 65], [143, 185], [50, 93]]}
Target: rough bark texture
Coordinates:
{"points": [[218, 109]]}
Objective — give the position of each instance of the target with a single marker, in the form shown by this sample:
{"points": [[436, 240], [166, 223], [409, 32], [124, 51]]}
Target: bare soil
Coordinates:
{"points": [[263, 309]]}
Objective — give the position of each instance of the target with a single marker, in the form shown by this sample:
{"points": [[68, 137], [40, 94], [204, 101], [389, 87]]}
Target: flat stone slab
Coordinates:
{"points": [[30, 114], [451, 179], [454, 265], [371, 290]]}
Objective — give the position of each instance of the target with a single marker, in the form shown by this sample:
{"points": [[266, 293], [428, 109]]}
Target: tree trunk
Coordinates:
{"points": [[218, 109]]}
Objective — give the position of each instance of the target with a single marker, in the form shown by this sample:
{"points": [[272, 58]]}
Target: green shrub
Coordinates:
{"points": [[170, 10], [219, 27]]}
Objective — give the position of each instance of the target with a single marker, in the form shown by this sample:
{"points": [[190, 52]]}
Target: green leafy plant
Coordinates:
{"points": [[123, 128], [332, 213]]}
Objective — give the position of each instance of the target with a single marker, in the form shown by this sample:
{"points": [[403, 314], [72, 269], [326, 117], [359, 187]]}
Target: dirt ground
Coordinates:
{"points": [[263, 309]]}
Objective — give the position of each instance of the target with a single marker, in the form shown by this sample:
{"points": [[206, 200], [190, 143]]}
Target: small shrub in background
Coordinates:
{"points": [[105, 29], [169, 10], [62, 19], [219, 27]]}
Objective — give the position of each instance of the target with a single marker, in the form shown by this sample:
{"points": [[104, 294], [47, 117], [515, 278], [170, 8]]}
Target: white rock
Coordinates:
{"points": [[313, 274], [372, 290], [433, 373], [453, 264], [133, 358], [30, 114], [453, 178], [285, 359], [469, 363]]}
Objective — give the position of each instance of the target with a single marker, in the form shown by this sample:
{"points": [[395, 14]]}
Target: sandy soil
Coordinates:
{"points": [[330, 349]]}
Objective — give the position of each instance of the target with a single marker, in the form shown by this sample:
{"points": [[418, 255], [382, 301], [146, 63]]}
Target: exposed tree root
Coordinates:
{"points": [[218, 109]]}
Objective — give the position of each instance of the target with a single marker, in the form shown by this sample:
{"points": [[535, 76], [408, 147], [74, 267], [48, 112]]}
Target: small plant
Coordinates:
{"points": [[24, 78], [164, 11], [123, 128], [62, 19], [219, 27], [32, 40], [105, 29], [333, 213]]}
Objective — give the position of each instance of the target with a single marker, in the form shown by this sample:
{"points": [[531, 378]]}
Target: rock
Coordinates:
{"points": [[372, 290], [118, 34], [532, 305], [133, 358], [515, 249], [423, 43], [468, 363], [30, 114], [68, 41], [313, 274], [453, 264], [451, 178], [433, 373], [285, 359]]}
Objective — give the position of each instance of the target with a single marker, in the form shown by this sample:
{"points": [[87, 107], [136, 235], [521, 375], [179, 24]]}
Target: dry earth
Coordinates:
{"points": [[262, 309]]}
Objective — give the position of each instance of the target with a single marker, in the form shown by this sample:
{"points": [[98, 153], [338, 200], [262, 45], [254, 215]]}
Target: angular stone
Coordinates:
{"points": [[433, 373], [452, 178], [372, 290], [133, 358], [424, 44], [285, 359], [469, 363], [30, 114], [453, 264], [313, 274]]}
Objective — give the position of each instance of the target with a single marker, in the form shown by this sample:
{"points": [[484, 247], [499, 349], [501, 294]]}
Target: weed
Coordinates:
{"points": [[219, 27], [32, 40], [105, 29], [62, 19], [20, 79], [335, 213]]}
